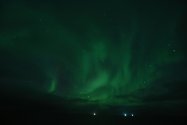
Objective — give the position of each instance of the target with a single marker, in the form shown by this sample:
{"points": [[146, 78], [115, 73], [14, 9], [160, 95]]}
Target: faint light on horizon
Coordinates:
{"points": [[125, 114], [94, 114]]}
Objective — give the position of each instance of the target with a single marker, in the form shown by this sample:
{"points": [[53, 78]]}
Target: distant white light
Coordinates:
{"points": [[94, 113], [132, 115], [125, 114]]}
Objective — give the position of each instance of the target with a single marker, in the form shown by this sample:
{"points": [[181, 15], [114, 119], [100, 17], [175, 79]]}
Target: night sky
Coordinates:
{"points": [[95, 55]]}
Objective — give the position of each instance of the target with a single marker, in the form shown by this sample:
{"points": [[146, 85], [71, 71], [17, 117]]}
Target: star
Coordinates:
{"points": [[41, 20], [174, 50], [169, 44]]}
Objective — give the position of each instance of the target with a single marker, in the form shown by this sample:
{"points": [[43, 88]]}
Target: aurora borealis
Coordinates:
{"points": [[107, 53]]}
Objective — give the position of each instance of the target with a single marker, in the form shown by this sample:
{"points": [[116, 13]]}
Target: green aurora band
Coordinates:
{"points": [[104, 56]]}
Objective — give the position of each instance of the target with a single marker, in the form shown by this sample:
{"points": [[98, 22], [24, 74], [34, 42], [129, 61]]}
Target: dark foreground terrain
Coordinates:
{"points": [[26, 108]]}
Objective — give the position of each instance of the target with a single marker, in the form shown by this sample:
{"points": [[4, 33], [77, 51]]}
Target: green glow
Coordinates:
{"points": [[102, 59], [52, 87]]}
